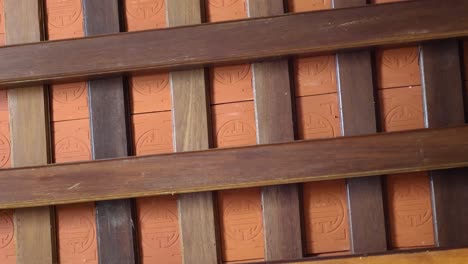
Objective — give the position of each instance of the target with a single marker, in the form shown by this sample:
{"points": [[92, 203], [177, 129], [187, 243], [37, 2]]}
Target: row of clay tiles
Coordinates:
{"points": [[233, 119]]}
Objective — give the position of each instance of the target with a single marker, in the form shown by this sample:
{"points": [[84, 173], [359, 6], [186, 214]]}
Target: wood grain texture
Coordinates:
{"points": [[274, 120], [443, 101], [358, 116], [218, 169], [194, 46], [454, 256], [108, 121], [191, 132], [34, 227]]}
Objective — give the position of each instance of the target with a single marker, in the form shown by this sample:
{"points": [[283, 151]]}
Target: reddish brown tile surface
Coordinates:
{"points": [[145, 14], [326, 217], [7, 238], [150, 93], [64, 19], [231, 83], [398, 67], [241, 223], [401, 108], [71, 141], [411, 212], [69, 101], [318, 116], [152, 133], [159, 230], [315, 75], [222, 10], [2, 24], [308, 5], [76, 233], [5, 150]]}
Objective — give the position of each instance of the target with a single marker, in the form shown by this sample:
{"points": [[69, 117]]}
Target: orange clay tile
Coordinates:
{"points": [[231, 84], [69, 101], [2, 24], [64, 19], [318, 116], [326, 217], [234, 124], [71, 141], [308, 5], [77, 233], [398, 67], [222, 10], [159, 230], [315, 75], [145, 14], [7, 238], [410, 211], [150, 93], [401, 108], [152, 133], [241, 224], [5, 150]]}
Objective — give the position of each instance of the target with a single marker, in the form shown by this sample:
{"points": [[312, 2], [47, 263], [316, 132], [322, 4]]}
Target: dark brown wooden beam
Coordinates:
{"points": [[254, 39], [264, 165], [116, 234], [358, 117], [443, 101]]}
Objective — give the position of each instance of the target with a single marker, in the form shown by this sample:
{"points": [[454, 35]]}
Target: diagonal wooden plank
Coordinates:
{"points": [[274, 119], [109, 130], [358, 116], [443, 104], [242, 40], [34, 227]]}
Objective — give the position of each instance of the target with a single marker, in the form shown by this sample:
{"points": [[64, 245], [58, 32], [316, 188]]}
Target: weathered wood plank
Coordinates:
{"points": [[34, 227], [108, 118], [191, 131], [345, 157], [194, 46], [358, 116], [443, 99], [274, 119]]}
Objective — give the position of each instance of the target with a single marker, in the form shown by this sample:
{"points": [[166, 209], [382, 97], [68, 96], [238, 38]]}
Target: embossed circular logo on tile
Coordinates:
{"points": [[399, 58], [144, 9], [72, 149], [326, 212], [411, 207], [403, 116], [150, 84], [153, 141], [6, 229], [222, 3], [231, 74], [235, 133], [243, 220], [63, 13], [160, 228], [76, 233], [312, 66], [5, 150], [317, 126], [66, 93]]}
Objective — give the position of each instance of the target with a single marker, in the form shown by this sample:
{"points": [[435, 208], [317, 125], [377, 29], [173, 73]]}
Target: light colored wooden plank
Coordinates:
{"points": [[35, 240], [191, 132]]}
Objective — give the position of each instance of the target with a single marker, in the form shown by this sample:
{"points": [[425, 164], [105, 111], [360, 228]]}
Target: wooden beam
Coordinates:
{"points": [[254, 39], [454, 256], [443, 102], [191, 132], [265, 165], [358, 117], [274, 119], [34, 227], [116, 234]]}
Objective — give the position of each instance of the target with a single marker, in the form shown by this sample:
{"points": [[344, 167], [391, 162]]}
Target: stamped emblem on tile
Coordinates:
{"points": [[6, 229], [235, 133], [313, 66], [76, 233], [403, 116], [231, 74], [153, 141], [144, 9], [4, 150], [63, 13], [160, 227], [243, 219], [72, 149], [66, 93], [326, 213], [399, 58], [412, 207], [222, 3], [318, 126], [151, 84]]}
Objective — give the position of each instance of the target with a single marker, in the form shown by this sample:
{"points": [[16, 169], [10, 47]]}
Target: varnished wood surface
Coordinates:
{"points": [[236, 168], [193, 46], [454, 256], [116, 234], [34, 227], [197, 213], [274, 120], [443, 99]]}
